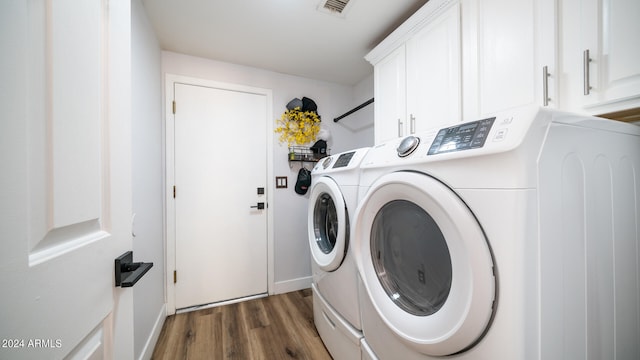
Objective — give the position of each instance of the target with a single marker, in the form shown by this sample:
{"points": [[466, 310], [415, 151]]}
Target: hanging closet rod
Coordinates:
{"points": [[353, 110]]}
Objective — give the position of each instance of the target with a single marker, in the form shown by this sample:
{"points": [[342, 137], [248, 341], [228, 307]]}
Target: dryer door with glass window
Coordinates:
{"points": [[328, 224], [425, 263]]}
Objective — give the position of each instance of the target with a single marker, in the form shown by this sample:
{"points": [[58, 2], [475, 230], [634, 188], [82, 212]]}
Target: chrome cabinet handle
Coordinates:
{"points": [[399, 127], [545, 86], [585, 65], [412, 124]]}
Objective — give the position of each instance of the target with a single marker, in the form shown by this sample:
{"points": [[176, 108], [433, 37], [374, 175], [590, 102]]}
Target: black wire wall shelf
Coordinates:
{"points": [[304, 154]]}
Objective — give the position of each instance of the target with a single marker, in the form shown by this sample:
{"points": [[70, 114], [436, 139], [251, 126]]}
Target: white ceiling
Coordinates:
{"points": [[286, 36]]}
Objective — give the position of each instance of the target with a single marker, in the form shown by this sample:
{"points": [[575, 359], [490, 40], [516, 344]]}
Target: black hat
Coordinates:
{"points": [[294, 103], [304, 181], [309, 105], [320, 147]]}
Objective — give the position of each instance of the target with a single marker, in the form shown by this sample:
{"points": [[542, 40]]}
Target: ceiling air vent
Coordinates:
{"points": [[335, 7]]}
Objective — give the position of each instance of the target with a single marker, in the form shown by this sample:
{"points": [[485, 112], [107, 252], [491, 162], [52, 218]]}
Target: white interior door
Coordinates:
{"points": [[220, 163], [65, 187]]}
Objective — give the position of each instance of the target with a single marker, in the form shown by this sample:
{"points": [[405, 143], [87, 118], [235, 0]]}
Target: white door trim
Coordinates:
{"points": [[170, 226]]}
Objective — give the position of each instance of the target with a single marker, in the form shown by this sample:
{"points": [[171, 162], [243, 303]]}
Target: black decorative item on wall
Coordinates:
{"points": [[370, 101]]}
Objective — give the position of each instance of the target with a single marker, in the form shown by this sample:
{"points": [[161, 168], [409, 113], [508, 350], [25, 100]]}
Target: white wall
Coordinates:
{"points": [[361, 122], [148, 226], [292, 258]]}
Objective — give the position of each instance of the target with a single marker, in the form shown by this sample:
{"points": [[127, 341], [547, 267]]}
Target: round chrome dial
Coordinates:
{"points": [[326, 162], [408, 145]]}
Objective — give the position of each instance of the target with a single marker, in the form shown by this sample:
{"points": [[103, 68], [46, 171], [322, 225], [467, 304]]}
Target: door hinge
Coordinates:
{"points": [[174, 191], [174, 107], [175, 276]]}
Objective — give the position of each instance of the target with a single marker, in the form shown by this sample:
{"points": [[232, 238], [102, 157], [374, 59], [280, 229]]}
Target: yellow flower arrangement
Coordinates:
{"points": [[298, 127]]}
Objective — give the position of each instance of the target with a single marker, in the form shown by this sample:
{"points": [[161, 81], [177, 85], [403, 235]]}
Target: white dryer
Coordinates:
{"points": [[513, 237], [332, 201]]}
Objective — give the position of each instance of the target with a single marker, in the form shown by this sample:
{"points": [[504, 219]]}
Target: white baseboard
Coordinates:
{"points": [[147, 351], [292, 285]]}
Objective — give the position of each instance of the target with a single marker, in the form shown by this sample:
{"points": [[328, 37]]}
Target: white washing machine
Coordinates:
{"points": [[332, 201], [514, 237]]}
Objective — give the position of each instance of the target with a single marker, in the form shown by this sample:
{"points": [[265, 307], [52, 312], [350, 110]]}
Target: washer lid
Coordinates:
{"points": [[425, 263], [328, 224]]}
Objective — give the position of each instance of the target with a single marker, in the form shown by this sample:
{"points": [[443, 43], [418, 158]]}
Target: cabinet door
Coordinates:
{"points": [[507, 45], [433, 73], [390, 96], [607, 78]]}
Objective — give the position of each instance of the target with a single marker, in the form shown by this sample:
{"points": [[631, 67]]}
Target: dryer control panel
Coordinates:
{"points": [[466, 136], [343, 159]]}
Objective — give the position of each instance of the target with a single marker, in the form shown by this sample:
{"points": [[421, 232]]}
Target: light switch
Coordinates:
{"points": [[281, 182]]}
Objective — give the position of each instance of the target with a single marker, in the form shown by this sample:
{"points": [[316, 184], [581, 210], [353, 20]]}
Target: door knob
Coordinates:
{"points": [[259, 206], [127, 272]]}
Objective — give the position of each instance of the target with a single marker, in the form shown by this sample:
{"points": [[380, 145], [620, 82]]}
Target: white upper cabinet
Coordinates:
{"points": [[433, 73], [417, 73], [469, 59], [599, 55], [390, 96], [508, 55]]}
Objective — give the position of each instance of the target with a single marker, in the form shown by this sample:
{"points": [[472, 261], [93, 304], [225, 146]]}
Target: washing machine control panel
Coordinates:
{"points": [[466, 136]]}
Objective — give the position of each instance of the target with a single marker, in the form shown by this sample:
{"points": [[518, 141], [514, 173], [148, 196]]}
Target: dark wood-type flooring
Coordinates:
{"points": [[274, 327]]}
